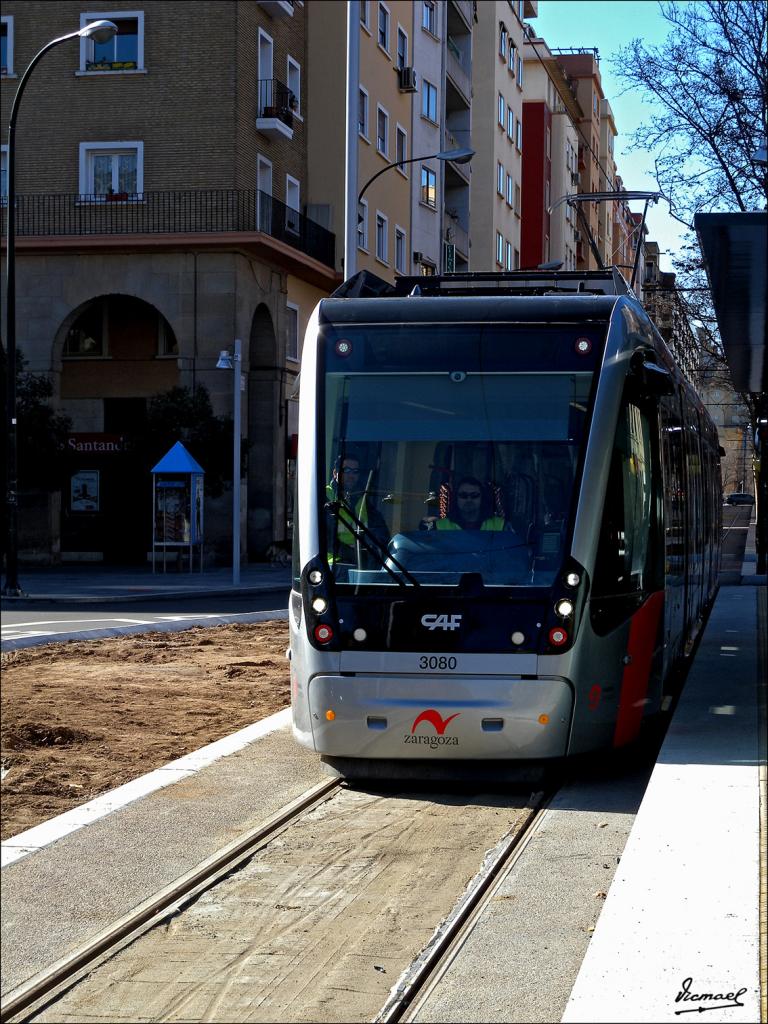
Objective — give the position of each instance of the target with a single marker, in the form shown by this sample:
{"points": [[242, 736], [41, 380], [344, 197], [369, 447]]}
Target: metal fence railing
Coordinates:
{"points": [[197, 211]]}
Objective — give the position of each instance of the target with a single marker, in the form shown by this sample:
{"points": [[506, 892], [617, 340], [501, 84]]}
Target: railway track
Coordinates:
{"points": [[55, 987], [50, 984]]}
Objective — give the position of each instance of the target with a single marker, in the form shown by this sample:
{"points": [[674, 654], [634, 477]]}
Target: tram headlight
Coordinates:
{"points": [[319, 605], [572, 579], [315, 577], [564, 608]]}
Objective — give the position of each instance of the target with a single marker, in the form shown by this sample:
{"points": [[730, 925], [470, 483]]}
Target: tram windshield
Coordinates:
{"points": [[453, 450]]}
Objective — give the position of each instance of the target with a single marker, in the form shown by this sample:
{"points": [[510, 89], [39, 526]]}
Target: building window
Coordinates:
{"points": [[508, 256], [428, 187], [548, 143], [294, 84], [510, 184], [6, 38], [499, 249], [382, 241], [400, 251], [292, 333], [292, 204], [428, 101], [503, 40], [519, 135], [401, 149], [402, 48], [362, 113], [517, 260], [546, 195], [500, 178], [382, 131], [362, 225], [512, 56], [428, 16], [365, 15], [107, 168], [383, 36], [88, 334], [502, 107], [123, 52], [517, 200], [520, 70], [510, 124]]}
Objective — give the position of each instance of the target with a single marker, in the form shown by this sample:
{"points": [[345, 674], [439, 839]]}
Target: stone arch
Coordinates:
{"points": [[266, 451]]}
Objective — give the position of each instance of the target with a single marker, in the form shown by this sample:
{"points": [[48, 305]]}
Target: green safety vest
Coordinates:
{"points": [[345, 525], [493, 523]]}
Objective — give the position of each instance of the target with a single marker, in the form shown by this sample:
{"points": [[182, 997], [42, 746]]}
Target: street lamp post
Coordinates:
{"points": [[100, 32], [227, 362], [458, 156]]}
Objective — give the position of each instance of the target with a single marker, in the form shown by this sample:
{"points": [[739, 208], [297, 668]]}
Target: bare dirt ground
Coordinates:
{"points": [[80, 718]]}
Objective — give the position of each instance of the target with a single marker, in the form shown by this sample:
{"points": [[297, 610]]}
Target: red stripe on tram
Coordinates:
{"points": [[634, 682]]}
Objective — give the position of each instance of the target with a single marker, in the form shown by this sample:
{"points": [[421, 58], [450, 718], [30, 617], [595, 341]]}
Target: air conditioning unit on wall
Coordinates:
{"points": [[406, 79]]}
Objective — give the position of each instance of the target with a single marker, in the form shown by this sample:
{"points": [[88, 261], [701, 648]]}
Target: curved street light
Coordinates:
{"points": [[457, 156], [101, 32]]}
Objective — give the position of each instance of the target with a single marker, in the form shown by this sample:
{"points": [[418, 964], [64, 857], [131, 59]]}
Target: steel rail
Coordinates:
{"points": [[429, 967], [50, 983]]}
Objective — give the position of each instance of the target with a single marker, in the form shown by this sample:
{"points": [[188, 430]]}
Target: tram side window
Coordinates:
{"points": [[625, 558]]}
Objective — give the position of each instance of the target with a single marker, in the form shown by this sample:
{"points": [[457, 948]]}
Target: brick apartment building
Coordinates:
{"points": [[160, 181]]}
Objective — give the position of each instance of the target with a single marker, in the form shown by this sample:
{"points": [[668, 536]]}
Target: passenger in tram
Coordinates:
{"points": [[470, 509], [349, 487]]}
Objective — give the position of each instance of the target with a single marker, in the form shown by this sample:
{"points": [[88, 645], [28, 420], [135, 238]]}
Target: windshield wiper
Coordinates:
{"points": [[370, 542]]}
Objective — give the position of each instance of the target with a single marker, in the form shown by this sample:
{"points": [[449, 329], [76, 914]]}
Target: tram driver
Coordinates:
{"points": [[470, 509]]}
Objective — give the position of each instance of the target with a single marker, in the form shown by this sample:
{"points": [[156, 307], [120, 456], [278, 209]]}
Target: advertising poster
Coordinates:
{"points": [[84, 491]]}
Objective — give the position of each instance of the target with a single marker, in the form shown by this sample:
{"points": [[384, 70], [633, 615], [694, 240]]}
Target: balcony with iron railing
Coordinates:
{"points": [[188, 212], [276, 106]]}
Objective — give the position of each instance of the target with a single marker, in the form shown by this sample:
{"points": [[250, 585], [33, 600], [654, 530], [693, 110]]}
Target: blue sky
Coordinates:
{"points": [[610, 25]]}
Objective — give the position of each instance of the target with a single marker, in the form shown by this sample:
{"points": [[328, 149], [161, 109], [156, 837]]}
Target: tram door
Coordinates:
{"points": [[675, 526], [695, 512]]}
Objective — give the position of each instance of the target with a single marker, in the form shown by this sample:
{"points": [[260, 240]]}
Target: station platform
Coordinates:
{"points": [[637, 899]]}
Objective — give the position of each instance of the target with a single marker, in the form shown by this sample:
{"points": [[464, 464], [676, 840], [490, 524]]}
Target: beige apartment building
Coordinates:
{"points": [[161, 180], [498, 84], [546, 84], [607, 183]]}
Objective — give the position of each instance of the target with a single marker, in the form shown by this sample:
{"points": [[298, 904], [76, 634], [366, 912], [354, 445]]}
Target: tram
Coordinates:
{"points": [[544, 622]]}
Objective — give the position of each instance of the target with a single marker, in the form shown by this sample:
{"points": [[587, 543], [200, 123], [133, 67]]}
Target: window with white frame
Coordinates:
{"points": [[402, 47], [510, 124], [428, 187], [362, 225], [512, 57], [123, 52], [502, 108], [508, 256], [510, 192], [400, 251], [111, 168], [382, 131], [383, 32], [519, 134], [499, 249], [548, 143], [6, 39], [429, 16], [428, 100], [294, 84], [520, 70], [365, 15], [401, 149], [500, 178], [502, 40], [546, 195], [292, 204], [362, 113], [517, 200], [292, 332], [382, 241]]}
